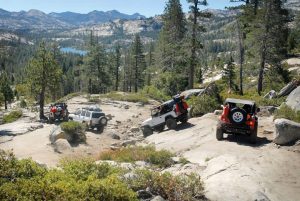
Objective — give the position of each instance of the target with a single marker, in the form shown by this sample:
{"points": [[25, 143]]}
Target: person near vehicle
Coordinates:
{"points": [[181, 106]]}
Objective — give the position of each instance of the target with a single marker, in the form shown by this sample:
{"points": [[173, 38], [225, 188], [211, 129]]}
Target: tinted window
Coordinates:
{"points": [[83, 113], [97, 115], [88, 114]]}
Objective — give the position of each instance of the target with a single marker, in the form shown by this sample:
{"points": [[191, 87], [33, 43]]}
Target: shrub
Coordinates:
{"points": [[77, 180], [162, 158], [23, 103], [287, 112], [74, 131], [182, 187], [68, 97], [203, 104], [12, 116], [154, 93]]}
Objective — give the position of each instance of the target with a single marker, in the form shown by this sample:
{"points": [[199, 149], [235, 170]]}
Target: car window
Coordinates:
{"points": [[78, 112], [83, 113], [97, 115], [88, 114]]}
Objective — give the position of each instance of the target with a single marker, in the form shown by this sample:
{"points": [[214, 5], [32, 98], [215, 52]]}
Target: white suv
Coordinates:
{"points": [[91, 117]]}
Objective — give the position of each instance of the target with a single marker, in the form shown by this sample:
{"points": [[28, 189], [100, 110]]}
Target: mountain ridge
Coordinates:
{"points": [[36, 19]]}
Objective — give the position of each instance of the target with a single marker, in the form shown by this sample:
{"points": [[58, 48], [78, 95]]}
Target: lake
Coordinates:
{"points": [[73, 50]]}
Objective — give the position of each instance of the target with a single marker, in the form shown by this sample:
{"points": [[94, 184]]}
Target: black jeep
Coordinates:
{"points": [[238, 117]]}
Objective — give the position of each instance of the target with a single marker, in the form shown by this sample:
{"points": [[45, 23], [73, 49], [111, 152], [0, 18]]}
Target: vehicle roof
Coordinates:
{"points": [[233, 100]]}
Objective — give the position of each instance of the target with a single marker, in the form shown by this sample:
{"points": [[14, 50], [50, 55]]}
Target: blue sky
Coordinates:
{"points": [[145, 7]]}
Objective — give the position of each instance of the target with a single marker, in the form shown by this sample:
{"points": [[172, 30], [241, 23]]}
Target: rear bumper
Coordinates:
{"points": [[235, 129]]}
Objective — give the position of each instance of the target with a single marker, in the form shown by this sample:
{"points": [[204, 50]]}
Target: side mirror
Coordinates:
{"points": [[258, 110]]}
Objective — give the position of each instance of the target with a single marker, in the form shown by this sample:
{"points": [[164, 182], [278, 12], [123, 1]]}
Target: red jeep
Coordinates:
{"points": [[238, 117]]}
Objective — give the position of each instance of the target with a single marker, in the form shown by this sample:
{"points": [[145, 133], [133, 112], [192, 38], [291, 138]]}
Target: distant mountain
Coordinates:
{"points": [[35, 19], [94, 17], [293, 4]]}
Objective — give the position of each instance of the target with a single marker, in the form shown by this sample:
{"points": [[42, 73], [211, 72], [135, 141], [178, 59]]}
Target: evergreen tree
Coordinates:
{"points": [[43, 74], [117, 66], [195, 43], [6, 89], [170, 55], [139, 63], [96, 69], [229, 74]]}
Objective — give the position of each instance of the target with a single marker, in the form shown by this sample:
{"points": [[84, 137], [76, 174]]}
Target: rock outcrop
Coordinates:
{"points": [[293, 100], [286, 132]]}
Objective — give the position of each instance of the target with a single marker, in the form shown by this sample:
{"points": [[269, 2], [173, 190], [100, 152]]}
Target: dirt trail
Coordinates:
{"points": [[36, 144], [233, 169]]}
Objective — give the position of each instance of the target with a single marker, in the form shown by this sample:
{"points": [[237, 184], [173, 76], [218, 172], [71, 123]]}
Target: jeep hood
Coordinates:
{"points": [[146, 122]]}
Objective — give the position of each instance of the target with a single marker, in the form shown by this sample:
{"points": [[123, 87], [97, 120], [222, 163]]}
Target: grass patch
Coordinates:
{"points": [[287, 112], [68, 97], [162, 158], [129, 97], [183, 161], [12, 116]]}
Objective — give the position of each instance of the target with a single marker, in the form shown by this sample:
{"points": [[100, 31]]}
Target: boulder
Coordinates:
{"points": [[218, 112], [56, 134], [158, 198], [144, 194], [134, 129], [286, 132], [128, 142], [115, 136], [61, 146], [126, 107], [293, 100]]}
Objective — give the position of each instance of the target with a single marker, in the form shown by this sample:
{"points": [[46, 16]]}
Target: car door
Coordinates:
{"points": [[77, 115], [82, 116]]}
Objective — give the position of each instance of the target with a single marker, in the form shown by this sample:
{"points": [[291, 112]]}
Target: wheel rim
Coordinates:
{"points": [[237, 117]]}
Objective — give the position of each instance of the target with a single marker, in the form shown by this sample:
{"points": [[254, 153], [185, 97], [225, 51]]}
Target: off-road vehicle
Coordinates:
{"points": [[92, 117], [58, 111], [166, 114], [238, 117]]}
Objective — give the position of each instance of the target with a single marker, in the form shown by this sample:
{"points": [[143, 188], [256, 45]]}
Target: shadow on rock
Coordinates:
{"points": [[244, 140], [184, 126]]}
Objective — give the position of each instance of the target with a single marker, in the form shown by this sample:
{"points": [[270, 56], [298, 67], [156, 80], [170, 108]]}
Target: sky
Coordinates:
{"points": [[145, 7]]}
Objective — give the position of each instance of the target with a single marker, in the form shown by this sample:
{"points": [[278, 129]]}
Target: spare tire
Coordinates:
{"points": [[237, 116]]}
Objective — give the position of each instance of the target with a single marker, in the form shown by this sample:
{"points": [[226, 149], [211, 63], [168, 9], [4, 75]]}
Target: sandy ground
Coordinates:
{"points": [[36, 145], [233, 169]]}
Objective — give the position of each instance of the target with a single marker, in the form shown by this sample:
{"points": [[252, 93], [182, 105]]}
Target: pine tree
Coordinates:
{"points": [[229, 74], [117, 66], [170, 51], [43, 74], [196, 29], [139, 63], [6, 89]]}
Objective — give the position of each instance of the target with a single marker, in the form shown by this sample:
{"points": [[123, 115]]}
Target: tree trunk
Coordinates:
{"points": [[193, 49], [5, 102], [136, 74], [42, 103], [241, 59]]}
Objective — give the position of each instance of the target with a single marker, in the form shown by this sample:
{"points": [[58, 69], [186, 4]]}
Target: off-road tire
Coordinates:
{"points": [[100, 129], [237, 116], [147, 131], [159, 128], [103, 121], [253, 135], [171, 123], [219, 134], [184, 119]]}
